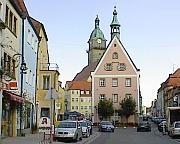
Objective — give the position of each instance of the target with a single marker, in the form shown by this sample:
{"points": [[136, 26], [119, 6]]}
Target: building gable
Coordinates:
{"points": [[116, 61]]}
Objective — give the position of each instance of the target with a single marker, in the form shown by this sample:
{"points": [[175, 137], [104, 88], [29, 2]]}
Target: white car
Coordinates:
{"points": [[85, 128], [68, 129], [175, 129]]}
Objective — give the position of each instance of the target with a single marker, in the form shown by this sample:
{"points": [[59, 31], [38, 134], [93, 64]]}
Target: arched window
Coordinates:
{"points": [[115, 55]]}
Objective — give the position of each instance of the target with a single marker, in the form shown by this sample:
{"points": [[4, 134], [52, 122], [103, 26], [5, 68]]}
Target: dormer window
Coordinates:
{"points": [[108, 67], [115, 55], [121, 67]]}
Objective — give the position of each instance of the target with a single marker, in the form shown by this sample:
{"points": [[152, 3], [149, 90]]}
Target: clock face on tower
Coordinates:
{"points": [[98, 41]]}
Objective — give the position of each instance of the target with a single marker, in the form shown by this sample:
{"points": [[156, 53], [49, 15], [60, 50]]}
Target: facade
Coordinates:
{"points": [[111, 71], [79, 96], [10, 47], [29, 83]]}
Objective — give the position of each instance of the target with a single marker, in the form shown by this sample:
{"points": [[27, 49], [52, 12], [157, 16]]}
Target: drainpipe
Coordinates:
{"points": [[22, 68]]}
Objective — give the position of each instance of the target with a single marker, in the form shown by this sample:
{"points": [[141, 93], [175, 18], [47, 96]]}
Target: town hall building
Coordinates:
{"points": [[111, 71]]}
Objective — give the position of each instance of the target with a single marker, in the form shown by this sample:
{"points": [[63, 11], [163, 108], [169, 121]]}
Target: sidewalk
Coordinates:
{"points": [[28, 139]]}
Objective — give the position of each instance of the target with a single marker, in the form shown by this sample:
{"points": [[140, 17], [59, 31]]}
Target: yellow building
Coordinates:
{"points": [[47, 79], [79, 97]]}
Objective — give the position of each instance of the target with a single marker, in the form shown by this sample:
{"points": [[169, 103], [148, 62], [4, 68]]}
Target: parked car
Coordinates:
{"points": [[160, 126], [85, 128], [90, 126], [68, 129], [106, 126], [143, 126], [175, 129]]}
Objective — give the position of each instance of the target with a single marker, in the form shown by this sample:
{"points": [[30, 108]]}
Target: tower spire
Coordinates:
{"points": [[97, 22], [115, 26]]}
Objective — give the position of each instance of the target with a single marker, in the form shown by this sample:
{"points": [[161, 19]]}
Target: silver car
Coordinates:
{"points": [[175, 129], [68, 129]]}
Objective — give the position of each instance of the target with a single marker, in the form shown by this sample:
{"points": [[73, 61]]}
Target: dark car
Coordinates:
{"points": [[160, 126], [144, 126], [106, 126], [90, 125]]}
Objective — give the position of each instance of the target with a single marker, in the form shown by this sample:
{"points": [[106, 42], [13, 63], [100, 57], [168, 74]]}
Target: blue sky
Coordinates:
{"points": [[150, 31]]}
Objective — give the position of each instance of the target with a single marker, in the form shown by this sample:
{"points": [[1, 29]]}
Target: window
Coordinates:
{"points": [[128, 82], [15, 25], [29, 36], [115, 55], [72, 99], [76, 107], [114, 45], [81, 107], [82, 100], [46, 82], [85, 107], [76, 99], [72, 91], [114, 82], [108, 67], [13, 68], [102, 96], [87, 92], [77, 92], [115, 98], [8, 65], [45, 112], [102, 82], [7, 15], [72, 107], [89, 107], [32, 41], [128, 95], [121, 67], [10, 20], [89, 99], [82, 92]]}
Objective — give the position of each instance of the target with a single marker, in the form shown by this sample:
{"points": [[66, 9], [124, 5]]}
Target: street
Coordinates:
{"points": [[120, 136], [130, 136]]}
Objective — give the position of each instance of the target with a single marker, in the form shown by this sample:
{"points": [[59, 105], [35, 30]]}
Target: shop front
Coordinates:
{"points": [[10, 107]]}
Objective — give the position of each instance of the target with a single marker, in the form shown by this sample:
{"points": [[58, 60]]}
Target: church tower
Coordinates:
{"points": [[115, 26], [97, 44]]}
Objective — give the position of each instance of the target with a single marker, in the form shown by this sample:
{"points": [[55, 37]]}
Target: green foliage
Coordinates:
{"points": [[128, 107], [105, 108]]}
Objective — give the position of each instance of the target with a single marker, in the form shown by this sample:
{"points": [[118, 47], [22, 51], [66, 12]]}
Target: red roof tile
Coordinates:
{"points": [[86, 72], [174, 79], [21, 6], [79, 85]]}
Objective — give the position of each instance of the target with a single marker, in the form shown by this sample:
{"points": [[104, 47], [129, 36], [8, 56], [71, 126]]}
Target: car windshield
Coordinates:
{"points": [[106, 123], [67, 125], [177, 125]]}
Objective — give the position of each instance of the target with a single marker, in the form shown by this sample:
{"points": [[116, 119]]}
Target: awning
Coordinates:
{"points": [[12, 96]]}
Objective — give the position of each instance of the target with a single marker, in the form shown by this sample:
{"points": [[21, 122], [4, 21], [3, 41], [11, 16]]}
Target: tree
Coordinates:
{"points": [[128, 106], [105, 108]]}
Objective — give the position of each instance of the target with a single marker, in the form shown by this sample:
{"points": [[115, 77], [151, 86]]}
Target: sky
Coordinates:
{"points": [[150, 32]]}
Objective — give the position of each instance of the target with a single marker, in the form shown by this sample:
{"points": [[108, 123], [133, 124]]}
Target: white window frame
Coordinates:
{"points": [[115, 98], [102, 96], [102, 82], [128, 82], [114, 82]]}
